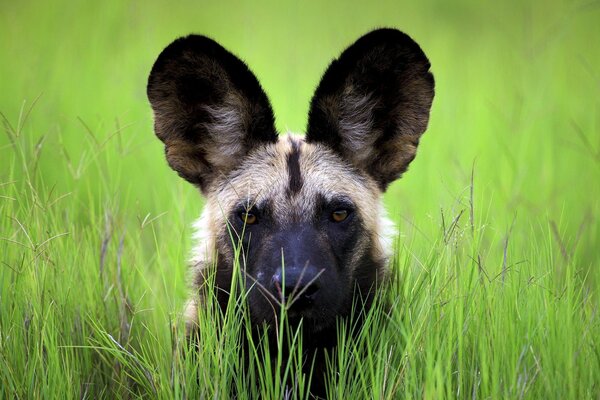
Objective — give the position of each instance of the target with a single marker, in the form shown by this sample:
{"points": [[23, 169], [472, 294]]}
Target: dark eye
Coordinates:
{"points": [[248, 218], [339, 215]]}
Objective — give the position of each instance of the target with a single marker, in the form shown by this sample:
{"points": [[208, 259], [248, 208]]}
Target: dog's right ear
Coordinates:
{"points": [[209, 109]]}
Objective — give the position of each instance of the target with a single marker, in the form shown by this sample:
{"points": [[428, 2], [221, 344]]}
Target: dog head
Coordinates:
{"points": [[305, 210]]}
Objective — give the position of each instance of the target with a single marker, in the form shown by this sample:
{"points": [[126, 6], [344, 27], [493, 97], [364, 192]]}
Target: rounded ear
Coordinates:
{"points": [[372, 104], [209, 109]]}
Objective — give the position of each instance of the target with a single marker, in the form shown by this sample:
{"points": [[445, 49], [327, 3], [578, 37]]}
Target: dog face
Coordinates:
{"points": [[306, 211]]}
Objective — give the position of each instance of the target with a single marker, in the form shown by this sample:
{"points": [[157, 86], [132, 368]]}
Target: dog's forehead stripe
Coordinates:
{"points": [[295, 180], [291, 175]]}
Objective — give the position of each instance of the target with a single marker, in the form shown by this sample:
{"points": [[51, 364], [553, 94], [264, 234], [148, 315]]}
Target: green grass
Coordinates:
{"points": [[496, 279]]}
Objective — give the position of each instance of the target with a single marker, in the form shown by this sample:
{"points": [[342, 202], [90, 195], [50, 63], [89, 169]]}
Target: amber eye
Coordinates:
{"points": [[339, 215], [248, 218]]}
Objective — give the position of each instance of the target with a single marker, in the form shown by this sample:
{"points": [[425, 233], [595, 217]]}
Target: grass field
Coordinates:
{"points": [[496, 282]]}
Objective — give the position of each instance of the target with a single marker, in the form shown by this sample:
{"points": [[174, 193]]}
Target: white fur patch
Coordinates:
{"points": [[386, 231], [226, 130], [356, 125], [204, 241]]}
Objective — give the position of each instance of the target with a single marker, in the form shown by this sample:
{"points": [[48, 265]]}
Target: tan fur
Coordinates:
{"points": [[263, 175]]}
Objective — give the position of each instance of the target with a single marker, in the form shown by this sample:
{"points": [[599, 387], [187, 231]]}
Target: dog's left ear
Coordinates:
{"points": [[373, 103]]}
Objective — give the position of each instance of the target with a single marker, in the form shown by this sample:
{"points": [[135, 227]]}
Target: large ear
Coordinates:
{"points": [[373, 103], [209, 109]]}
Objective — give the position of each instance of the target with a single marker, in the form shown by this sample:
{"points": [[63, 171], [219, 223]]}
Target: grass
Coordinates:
{"points": [[495, 284]]}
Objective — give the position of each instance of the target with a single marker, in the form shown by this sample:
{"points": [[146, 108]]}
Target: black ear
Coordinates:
{"points": [[373, 103], [209, 109]]}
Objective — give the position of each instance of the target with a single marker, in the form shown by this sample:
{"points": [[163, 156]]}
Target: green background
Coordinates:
{"points": [[517, 86], [512, 153]]}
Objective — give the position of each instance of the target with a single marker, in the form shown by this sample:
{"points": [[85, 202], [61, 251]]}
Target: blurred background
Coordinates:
{"points": [[95, 227], [517, 87], [516, 112]]}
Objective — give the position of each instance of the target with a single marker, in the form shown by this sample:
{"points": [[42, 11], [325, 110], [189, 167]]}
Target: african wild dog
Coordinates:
{"points": [[316, 199]]}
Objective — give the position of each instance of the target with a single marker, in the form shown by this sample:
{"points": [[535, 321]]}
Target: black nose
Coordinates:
{"points": [[294, 284]]}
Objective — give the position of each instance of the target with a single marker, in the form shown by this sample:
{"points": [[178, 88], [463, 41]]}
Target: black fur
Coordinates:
{"points": [[319, 245], [388, 69], [193, 75], [293, 165]]}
